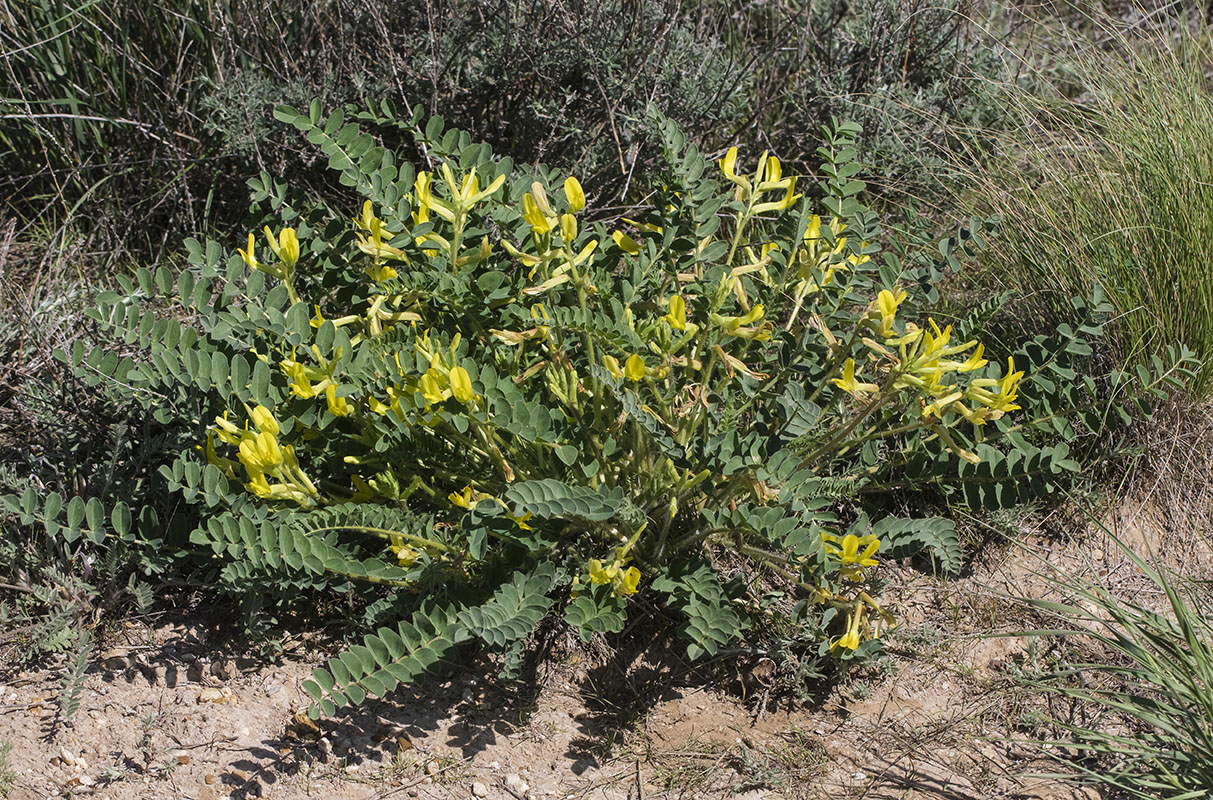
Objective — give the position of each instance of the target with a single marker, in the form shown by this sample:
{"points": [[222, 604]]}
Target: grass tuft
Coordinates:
{"points": [[1141, 710], [1107, 179]]}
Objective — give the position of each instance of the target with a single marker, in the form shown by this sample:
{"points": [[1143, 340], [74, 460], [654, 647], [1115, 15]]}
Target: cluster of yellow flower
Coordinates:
{"points": [[558, 264], [923, 359], [767, 178], [262, 457]]}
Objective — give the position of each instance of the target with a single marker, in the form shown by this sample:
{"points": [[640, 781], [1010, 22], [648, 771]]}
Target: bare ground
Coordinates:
{"points": [[166, 713]]}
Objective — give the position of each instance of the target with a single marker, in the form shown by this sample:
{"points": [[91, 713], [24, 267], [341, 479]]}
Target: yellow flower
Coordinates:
{"points": [[600, 574], [937, 407], [250, 255], [626, 243], [623, 581], [633, 368], [612, 366], [677, 316], [405, 554], [366, 219], [851, 639], [975, 361], [285, 245], [463, 499], [226, 464], [887, 303], [568, 227], [761, 333], [1008, 391], [261, 453], [423, 189], [229, 433], [258, 485], [629, 582], [540, 222], [728, 166], [338, 406], [813, 232], [430, 389], [301, 385], [461, 385], [853, 561], [848, 383], [574, 194], [263, 418], [787, 201], [467, 193]]}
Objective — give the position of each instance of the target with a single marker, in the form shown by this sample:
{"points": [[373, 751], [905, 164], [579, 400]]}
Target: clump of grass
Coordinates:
{"points": [[1141, 716], [8, 776], [1107, 180]]}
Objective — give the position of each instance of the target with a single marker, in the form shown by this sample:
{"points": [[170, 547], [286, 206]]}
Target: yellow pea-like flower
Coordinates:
{"points": [[338, 406], [568, 227], [250, 255], [887, 303], [600, 574], [463, 499], [630, 581], [633, 368], [677, 316], [574, 194], [850, 640], [430, 389], [728, 165], [285, 245], [612, 366], [851, 386], [461, 385], [263, 418], [626, 243], [540, 223], [261, 452]]}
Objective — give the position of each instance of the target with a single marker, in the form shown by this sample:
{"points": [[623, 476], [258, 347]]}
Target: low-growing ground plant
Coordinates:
{"points": [[466, 410]]}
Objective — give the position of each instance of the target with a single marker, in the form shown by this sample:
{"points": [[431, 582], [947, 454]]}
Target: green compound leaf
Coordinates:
{"points": [[936, 536], [515, 609], [552, 499], [596, 610], [377, 669], [693, 588]]}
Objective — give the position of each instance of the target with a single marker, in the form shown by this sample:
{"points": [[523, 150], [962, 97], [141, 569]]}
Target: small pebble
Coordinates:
{"points": [[432, 768], [859, 776], [479, 789], [517, 784], [211, 694]]}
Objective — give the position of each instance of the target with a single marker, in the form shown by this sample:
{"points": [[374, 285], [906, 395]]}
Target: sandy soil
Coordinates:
{"points": [[166, 713]]}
